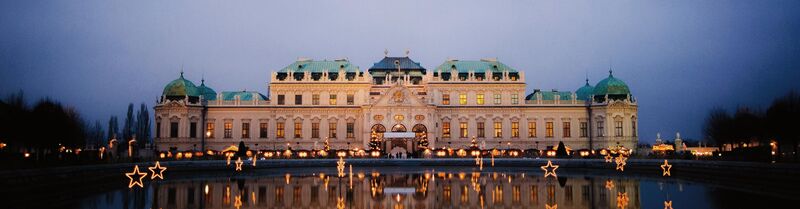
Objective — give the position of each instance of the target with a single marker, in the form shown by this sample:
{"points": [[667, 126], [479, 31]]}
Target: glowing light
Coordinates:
{"points": [[254, 159], [665, 168], [609, 184], [622, 200], [27, 155], [228, 161], [160, 169], [340, 202], [340, 166], [609, 158], [135, 172], [239, 164], [668, 204], [206, 189], [547, 171], [238, 202], [621, 163], [547, 206], [288, 177]]}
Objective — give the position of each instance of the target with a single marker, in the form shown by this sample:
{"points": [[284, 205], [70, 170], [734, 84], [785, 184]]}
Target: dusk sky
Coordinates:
{"points": [[680, 58]]}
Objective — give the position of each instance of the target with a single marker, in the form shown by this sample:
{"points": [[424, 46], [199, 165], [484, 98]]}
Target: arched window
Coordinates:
{"points": [[399, 128]]}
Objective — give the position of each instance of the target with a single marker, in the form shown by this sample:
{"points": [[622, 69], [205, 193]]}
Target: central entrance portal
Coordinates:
{"points": [[400, 143]]}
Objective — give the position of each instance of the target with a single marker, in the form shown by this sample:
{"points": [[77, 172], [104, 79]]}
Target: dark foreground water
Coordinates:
{"points": [[398, 188]]}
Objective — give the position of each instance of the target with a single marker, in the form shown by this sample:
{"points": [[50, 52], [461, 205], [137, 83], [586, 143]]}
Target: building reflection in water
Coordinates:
{"points": [[399, 191]]}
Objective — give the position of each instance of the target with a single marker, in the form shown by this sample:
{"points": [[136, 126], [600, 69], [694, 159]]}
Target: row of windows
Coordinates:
{"points": [[298, 99], [479, 99], [566, 128], [262, 130]]}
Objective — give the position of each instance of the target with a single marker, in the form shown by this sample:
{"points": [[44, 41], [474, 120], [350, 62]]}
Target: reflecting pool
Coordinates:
{"points": [[398, 188]]}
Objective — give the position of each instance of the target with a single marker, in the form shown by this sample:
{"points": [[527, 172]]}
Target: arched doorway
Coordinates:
{"points": [[378, 130], [421, 137], [399, 128], [376, 137]]}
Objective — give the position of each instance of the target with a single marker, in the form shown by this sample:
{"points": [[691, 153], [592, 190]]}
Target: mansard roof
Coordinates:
{"points": [[480, 66], [243, 96], [550, 95], [319, 66], [387, 63]]}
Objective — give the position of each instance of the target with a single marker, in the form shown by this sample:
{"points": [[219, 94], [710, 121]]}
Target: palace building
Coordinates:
{"points": [[397, 107]]}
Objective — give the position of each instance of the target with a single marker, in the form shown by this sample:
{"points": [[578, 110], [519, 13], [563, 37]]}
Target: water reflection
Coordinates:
{"points": [[398, 191]]}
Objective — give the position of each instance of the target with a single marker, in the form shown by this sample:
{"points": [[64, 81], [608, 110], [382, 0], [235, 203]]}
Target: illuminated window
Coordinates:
{"points": [[332, 99], [445, 129], [481, 129], [462, 99], [584, 129], [514, 129], [350, 99], [463, 127], [315, 130], [245, 130], [532, 129], [498, 129], [298, 99], [480, 99], [228, 130], [445, 99], [298, 129], [158, 130], [351, 130], [497, 99], [173, 130], [210, 130], [315, 99], [565, 129], [514, 99], [600, 128], [618, 128], [332, 130], [280, 130], [193, 130], [548, 130], [263, 127]]}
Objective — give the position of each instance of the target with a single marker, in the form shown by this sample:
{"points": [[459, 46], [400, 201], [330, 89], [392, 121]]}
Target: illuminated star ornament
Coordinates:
{"points": [[547, 171], [160, 173], [622, 200], [609, 184], [239, 164], [668, 204], [621, 163], [665, 168], [340, 166], [547, 206], [135, 172], [609, 158]]}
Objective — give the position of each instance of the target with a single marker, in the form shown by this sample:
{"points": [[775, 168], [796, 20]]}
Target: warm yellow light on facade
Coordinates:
{"points": [[340, 166], [547, 171]]}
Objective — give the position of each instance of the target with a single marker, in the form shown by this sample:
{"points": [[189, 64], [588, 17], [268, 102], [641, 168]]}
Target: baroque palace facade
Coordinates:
{"points": [[397, 103]]}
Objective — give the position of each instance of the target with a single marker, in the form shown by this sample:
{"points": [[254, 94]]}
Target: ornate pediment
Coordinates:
{"points": [[399, 95]]}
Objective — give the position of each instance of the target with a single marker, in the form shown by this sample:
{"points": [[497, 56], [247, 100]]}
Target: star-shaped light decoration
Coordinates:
{"points": [[238, 202], [160, 169], [622, 200], [239, 164], [621, 163], [547, 171], [340, 166], [665, 168], [609, 184], [547, 206], [135, 172], [609, 158], [668, 204]]}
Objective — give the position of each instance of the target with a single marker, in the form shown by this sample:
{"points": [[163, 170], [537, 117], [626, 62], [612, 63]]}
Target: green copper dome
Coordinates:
{"points": [[611, 86], [181, 87], [585, 92], [207, 92]]}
